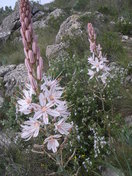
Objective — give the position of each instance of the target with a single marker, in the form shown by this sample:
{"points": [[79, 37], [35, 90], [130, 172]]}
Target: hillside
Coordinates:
{"points": [[61, 27]]}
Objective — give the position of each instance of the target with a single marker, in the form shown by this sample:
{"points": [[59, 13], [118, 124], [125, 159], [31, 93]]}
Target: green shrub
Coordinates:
{"points": [[86, 110]]}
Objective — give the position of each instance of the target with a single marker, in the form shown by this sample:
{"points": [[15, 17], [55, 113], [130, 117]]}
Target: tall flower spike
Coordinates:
{"points": [[33, 61], [97, 61]]}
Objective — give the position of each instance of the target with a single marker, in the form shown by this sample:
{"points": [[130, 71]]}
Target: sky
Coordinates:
{"points": [[4, 3]]}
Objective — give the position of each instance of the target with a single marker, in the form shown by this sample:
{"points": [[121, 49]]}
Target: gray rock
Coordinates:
{"points": [[6, 69], [128, 120], [11, 23], [38, 16], [69, 28], [112, 172], [55, 15], [14, 78], [1, 101], [128, 79], [53, 50], [125, 37]]}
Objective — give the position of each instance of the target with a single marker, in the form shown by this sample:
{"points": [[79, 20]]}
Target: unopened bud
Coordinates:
{"points": [[39, 73], [28, 66], [31, 56], [34, 47], [26, 21], [32, 81], [28, 36]]}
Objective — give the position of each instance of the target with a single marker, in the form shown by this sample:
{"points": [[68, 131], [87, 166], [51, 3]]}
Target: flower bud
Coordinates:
{"points": [[38, 53], [26, 52], [34, 47], [41, 63], [23, 26], [26, 21], [28, 36], [28, 66], [31, 56], [22, 33], [24, 43], [32, 81], [39, 73]]}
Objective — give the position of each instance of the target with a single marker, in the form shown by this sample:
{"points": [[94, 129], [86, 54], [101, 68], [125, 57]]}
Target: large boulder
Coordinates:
{"points": [[46, 19], [11, 23], [6, 69], [69, 28], [11, 76], [52, 51], [14, 78]]}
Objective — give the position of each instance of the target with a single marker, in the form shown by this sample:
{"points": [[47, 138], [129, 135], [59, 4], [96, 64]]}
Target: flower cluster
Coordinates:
{"points": [[99, 142], [49, 113], [98, 62]]}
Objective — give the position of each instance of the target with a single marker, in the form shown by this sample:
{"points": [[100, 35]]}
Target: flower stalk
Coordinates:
{"points": [[33, 60]]}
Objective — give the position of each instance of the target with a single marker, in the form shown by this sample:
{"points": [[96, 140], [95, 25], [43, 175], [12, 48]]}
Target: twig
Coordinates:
{"points": [[53, 173], [70, 158], [76, 174]]}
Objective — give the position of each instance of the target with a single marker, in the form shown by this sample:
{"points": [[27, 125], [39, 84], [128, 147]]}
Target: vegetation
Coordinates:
{"points": [[101, 136], [4, 12]]}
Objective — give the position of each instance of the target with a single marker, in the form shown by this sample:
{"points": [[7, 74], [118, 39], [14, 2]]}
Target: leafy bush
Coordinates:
{"points": [[93, 123]]}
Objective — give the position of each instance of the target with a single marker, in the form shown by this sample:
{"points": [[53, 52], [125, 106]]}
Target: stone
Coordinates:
{"points": [[14, 78], [128, 79], [128, 120], [53, 50], [11, 23], [112, 172], [57, 13], [1, 101], [69, 28], [44, 21], [6, 69], [125, 37]]}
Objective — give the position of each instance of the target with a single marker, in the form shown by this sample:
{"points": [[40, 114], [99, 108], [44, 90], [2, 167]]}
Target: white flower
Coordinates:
{"points": [[54, 95], [91, 73], [98, 65], [104, 77], [45, 109], [91, 60], [24, 105], [30, 129], [63, 110], [48, 83], [52, 143], [63, 127]]}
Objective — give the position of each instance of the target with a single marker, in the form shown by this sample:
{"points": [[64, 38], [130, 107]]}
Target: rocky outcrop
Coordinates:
{"points": [[12, 76], [53, 50], [6, 69], [71, 27], [11, 23], [44, 21]]}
